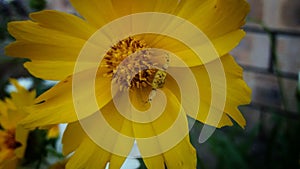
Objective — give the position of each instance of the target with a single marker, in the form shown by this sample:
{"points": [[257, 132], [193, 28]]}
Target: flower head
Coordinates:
{"points": [[13, 137], [139, 78]]}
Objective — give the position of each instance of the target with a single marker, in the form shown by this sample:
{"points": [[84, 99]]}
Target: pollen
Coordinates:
{"points": [[132, 64]]}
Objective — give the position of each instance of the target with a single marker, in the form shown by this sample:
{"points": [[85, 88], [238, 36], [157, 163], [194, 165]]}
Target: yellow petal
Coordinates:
{"points": [[99, 13], [22, 97], [3, 109], [183, 155], [191, 103], [116, 162], [111, 131], [21, 137], [182, 51], [5, 122], [237, 93], [224, 44], [219, 46], [63, 22], [33, 32], [52, 62], [170, 114], [115, 119], [81, 131], [127, 7], [50, 70], [11, 163], [13, 108], [39, 51], [53, 132], [90, 155], [170, 128], [215, 17], [59, 164], [95, 12], [3, 115], [53, 53], [12, 119], [139, 98], [72, 137], [57, 104], [155, 162], [54, 69], [10, 104]]}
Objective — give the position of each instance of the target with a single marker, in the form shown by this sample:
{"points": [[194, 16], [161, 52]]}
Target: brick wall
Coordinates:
{"points": [[279, 14], [61, 5], [272, 75]]}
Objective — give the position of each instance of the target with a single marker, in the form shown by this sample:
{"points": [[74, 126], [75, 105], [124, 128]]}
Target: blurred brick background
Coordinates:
{"points": [[61, 5], [273, 76]]}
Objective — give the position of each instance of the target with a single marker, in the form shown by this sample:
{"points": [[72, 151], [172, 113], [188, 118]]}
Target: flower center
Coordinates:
{"points": [[10, 140], [132, 65]]}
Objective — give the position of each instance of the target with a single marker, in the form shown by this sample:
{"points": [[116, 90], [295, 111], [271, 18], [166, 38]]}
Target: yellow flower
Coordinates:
{"points": [[13, 137], [59, 165], [53, 41], [53, 132]]}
